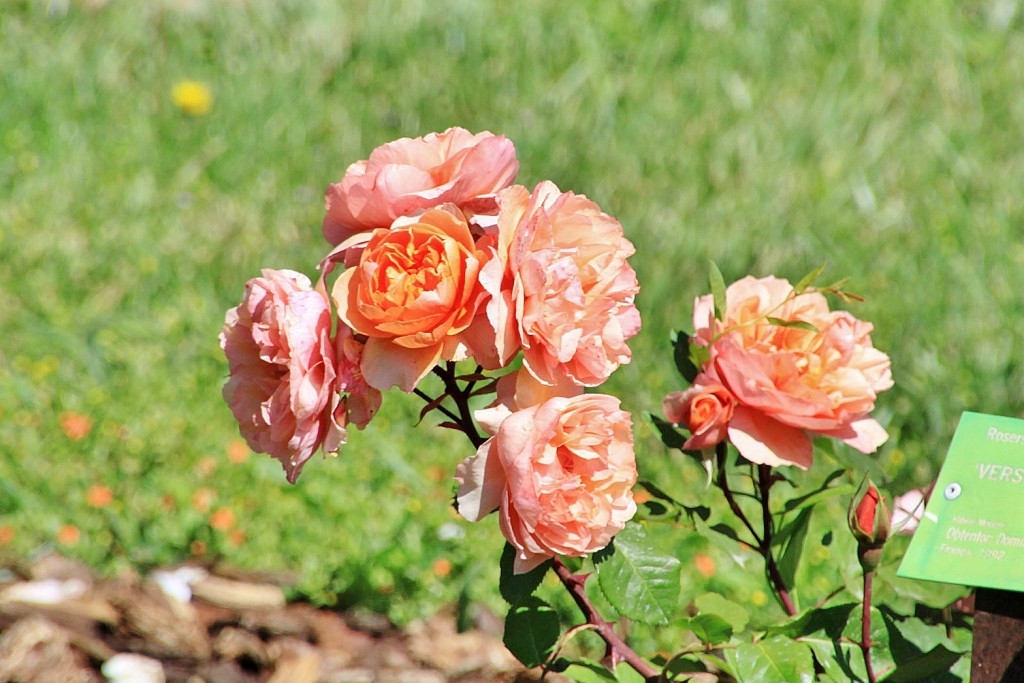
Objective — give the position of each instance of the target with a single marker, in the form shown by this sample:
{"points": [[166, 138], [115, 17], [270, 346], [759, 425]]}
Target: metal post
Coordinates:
{"points": [[997, 655]]}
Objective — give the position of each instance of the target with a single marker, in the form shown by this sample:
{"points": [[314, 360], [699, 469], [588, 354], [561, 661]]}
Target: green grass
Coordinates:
{"points": [[883, 138]]}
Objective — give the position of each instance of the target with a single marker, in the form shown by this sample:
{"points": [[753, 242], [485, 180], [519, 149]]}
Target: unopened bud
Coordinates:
{"points": [[870, 522]]}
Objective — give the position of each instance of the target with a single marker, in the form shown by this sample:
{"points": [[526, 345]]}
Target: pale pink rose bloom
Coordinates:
{"points": [[413, 292], [789, 382], [561, 473], [908, 510], [360, 400], [705, 409], [283, 383], [410, 175], [561, 288]]}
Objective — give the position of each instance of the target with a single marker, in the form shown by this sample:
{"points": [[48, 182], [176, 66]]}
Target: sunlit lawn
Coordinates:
{"points": [[885, 139]]}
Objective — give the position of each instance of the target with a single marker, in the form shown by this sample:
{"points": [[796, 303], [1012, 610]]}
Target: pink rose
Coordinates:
{"points": [[561, 473], [705, 409], [408, 176], [413, 293], [283, 384], [360, 400], [561, 288], [790, 381]]}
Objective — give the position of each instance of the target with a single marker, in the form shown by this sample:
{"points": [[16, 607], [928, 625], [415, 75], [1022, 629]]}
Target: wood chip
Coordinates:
{"points": [[240, 595]]}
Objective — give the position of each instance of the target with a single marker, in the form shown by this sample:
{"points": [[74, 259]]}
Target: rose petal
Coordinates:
{"points": [[765, 441]]}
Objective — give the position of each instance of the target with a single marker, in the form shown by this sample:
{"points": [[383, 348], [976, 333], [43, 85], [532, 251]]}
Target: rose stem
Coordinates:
{"points": [[461, 398], [771, 568], [444, 411], [865, 628], [721, 451], [617, 647]]}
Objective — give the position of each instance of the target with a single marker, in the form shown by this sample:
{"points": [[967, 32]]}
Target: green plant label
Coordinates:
{"points": [[972, 531]]}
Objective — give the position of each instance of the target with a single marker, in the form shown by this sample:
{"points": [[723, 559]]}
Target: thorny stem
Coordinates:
{"points": [[764, 481], [461, 397], [444, 411], [617, 647], [721, 451], [865, 627]]}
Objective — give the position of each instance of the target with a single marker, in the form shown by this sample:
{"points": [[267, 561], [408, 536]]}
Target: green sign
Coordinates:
{"points": [[972, 531]]}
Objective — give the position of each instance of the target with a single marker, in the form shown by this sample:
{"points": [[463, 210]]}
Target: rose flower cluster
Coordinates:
{"points": [[780, 368], [444, 259]]}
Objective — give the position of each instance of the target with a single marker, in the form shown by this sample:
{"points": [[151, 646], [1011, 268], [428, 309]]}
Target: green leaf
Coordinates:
{"points": [[669, 435], [681, 356], [713, 603], [700, 355], [808, 280], [531, 631], [516, 589], [792, 550], [795, 324], [772, 659], [717, 283], [638, 581], [588, 671], [711, 629], [924, 666], [823, 492]]}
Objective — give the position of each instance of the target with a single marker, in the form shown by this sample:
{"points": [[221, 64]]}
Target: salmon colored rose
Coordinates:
{"points": [[561, 473], [413, 292], [561, 287], [410, 175], [705, 409], [283, 384], [821, 377]]}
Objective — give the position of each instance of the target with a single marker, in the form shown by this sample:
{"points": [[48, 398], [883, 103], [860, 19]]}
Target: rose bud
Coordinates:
{"points": [[870, 523]]}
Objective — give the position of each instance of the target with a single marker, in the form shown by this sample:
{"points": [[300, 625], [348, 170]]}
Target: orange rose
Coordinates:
{"points": [[705, 409], [413, 292], [820, 377]]}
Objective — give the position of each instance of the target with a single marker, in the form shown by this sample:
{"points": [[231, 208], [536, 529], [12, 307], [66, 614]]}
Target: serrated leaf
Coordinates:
{"points": [[638, 581], [772, 659], [531, 631], [516, 589], [713, 603], [681, 356], [710, 629], [717, 284], [795, 324]]}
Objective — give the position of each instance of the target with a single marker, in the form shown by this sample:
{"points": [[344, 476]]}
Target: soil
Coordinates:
{"points": [[61, 624]]}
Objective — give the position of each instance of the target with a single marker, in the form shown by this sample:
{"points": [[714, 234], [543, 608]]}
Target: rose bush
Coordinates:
{"points": [[561, 473], [410, 175], [457, 287]]}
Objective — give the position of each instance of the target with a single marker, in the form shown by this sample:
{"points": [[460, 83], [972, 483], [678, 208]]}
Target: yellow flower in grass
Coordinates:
{"points": [[192, 97]]}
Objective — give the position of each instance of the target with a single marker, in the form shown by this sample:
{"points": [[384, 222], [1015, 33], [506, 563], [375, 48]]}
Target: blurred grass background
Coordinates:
{"points": [[884, 138]]}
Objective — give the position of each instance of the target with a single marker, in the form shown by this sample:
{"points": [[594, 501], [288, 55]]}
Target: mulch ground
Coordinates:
{"points": [[61, 624]]}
